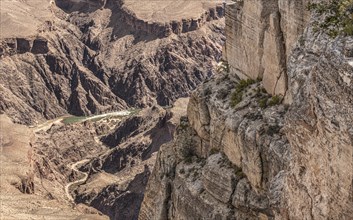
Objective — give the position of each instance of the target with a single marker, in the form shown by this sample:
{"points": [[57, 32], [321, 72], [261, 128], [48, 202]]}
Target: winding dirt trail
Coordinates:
{"points": [[80, 181], [47, 125]]}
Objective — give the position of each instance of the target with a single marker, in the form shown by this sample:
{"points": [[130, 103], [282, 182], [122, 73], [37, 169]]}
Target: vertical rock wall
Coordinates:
{"points": [[319, 129], [260, 35], [275, 161]]}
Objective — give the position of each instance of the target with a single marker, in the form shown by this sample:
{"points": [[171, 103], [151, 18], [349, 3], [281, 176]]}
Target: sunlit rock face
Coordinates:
{"points": [[260, 36], [256, 160]]}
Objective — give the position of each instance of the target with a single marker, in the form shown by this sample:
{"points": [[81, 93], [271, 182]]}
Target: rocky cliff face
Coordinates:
{"points": [[319, 128], [223, 161], [92, 58], [260, 159], [260, 37]]}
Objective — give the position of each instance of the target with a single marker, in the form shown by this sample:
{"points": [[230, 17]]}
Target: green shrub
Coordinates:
{"points": [[243, 84], [236, 98], [263, 102], [337, 17], [273, 129], [237, 95], [275, 100], [187, 153]]}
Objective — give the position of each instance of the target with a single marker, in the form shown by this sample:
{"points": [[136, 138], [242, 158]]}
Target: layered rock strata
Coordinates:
{"points": [[257, 158], [89, 62], [319, 128], [176, 26], [133, 13]]}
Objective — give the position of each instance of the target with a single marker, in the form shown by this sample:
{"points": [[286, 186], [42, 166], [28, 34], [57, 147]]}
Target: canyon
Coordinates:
{"points": [[94, 58], [174, 110]]}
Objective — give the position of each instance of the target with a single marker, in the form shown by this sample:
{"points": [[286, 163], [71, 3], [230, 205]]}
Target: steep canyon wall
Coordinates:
{"points": [[260, 37], [260, 159]]}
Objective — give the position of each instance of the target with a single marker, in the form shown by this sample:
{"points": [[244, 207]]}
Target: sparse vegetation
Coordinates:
{"points": [[236, 98], [337, 17], [74, 119], [183, 124], [237, 95], [275, 100], [187, 153], [273, 129], [244, 83], [263, 102]]}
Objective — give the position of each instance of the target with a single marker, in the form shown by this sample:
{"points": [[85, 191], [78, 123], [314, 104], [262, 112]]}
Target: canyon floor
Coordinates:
{"points": [[23, 195], [60, 168]]}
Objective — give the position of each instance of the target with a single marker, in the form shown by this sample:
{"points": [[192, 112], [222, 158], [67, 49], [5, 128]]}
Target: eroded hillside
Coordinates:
{"points": [[97, 58], [89, 58]]}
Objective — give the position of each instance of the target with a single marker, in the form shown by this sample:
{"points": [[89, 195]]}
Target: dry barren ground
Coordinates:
{"points": [[14, 172], [21, 18], [165, 11]]}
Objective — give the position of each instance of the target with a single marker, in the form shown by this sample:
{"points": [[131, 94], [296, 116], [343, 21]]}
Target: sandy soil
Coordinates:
{"points": [[14, 166], [165, 11], [21, 18]]}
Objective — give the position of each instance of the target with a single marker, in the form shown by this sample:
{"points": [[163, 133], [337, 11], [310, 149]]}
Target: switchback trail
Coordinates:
{"points": [[80, 181]]}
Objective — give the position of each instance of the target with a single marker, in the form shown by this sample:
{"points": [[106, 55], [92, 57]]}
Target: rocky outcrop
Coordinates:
{"points": [[160, 28], [281, 161], [260, 37], [235, 183], [319, 128], [94, 62], [11, 46], [172, 27]]}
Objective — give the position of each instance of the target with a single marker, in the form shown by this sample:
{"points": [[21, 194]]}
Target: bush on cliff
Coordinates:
{"points": [[337, 17]]}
